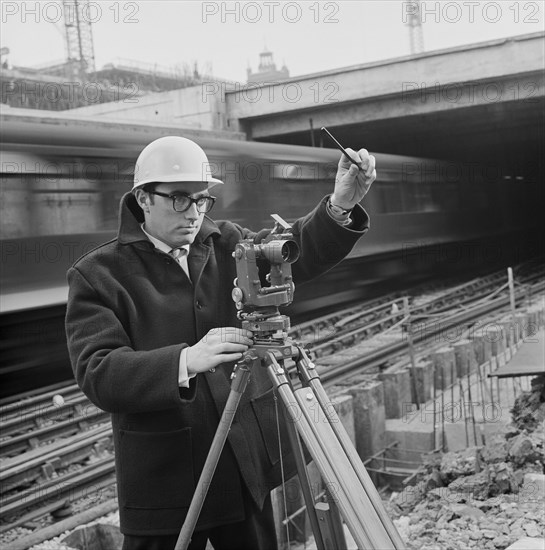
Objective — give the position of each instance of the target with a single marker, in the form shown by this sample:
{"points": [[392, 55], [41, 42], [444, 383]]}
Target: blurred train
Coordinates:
{"points": [[61, 182]]}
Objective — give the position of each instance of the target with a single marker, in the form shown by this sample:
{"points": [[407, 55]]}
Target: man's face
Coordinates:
{"points": [[164, 223]]}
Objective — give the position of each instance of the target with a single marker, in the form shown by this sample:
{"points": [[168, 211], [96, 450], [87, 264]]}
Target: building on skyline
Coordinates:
{"points": [[266, 70]]}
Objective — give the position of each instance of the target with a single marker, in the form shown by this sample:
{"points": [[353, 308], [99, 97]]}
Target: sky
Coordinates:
{"points": [[224, 38]]}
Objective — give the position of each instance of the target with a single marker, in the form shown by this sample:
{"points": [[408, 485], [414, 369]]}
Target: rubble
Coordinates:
{"points": [[529, 408], [486, 497]]}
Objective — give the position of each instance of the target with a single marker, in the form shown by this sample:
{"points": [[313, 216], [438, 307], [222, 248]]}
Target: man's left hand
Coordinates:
{"points": [[353, 182]]}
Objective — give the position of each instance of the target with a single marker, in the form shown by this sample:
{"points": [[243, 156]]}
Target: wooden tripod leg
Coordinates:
{"points": [[297, 450], [324, 517], [328, 470], [310, 377], [237, 389], [357, 510]]}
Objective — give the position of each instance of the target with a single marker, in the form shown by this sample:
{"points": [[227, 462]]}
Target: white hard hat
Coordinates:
{"points": [[173, 158]]}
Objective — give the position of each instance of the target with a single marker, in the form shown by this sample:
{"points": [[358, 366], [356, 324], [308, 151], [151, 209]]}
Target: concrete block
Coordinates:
{"points": [[397, 390], [487, 348], [424, 381], [495, 335], [532, 327], [526, 323], [482, 346], [344, 408], [414, 437], [509, 331], [444, 361], [369, 417], [522, 321], [460, 435], [465, 357]]}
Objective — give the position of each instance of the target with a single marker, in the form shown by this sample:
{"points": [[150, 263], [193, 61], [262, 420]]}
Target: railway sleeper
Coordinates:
{"points": [[102, 447], [79, 454], [69, 451], [16, 426], [52, 488], [23, 479], [67, 428], [49, 468], [58, 493]]}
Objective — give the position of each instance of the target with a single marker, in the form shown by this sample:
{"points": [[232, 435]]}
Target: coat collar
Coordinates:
{"points": [[131, 216]]}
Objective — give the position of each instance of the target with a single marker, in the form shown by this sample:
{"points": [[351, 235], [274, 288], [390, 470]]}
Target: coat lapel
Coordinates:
{"points": [[196, 260]]}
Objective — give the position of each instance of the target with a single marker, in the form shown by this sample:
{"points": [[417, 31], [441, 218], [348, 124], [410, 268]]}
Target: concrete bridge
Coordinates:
{"points": [[470, 102]]}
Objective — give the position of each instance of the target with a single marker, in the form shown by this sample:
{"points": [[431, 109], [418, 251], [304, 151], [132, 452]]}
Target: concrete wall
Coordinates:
{"points": [[193, 107]]}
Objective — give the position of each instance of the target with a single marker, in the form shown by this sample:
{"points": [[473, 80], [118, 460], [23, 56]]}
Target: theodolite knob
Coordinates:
{"points": [[237, 294]]}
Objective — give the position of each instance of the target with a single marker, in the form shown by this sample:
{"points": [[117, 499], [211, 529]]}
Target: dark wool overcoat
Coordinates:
{"points": [[131, 310]]}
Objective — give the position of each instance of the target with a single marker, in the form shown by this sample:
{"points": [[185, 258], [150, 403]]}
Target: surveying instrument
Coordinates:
{"points": [[350, 493]]}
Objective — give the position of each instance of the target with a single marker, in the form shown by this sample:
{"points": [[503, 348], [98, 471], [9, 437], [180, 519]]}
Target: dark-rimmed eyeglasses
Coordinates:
{"points": [[181, 202]]}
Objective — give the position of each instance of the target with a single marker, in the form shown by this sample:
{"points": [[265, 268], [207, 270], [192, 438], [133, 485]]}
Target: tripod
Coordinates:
{"points": [[351, 493]]}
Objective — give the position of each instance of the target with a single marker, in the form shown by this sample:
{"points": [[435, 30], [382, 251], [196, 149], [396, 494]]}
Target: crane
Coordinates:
{"points": [[79, 37], [414, 22]]}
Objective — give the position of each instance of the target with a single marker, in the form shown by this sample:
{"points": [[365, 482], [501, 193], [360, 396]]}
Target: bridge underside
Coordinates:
{"points": [[509, 132], [505, 132]]}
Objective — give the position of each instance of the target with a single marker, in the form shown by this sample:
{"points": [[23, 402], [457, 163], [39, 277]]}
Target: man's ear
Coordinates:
{"points": [[142, 198]]}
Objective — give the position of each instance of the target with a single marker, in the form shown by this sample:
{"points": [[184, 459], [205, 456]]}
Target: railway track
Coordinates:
{"points": [[53, 454], [381, 353], [351, 326]]}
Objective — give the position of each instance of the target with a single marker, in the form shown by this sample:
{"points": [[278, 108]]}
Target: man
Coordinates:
{"points": [[152, 335]]}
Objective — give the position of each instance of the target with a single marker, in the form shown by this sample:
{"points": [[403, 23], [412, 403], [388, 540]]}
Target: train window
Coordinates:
{"points": [[436, 196], [15, 206], [66, 200], [391, 195], [17, 171]]}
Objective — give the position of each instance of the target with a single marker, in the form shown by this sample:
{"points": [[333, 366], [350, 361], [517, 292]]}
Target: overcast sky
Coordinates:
{"points": [[226, 37]]}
